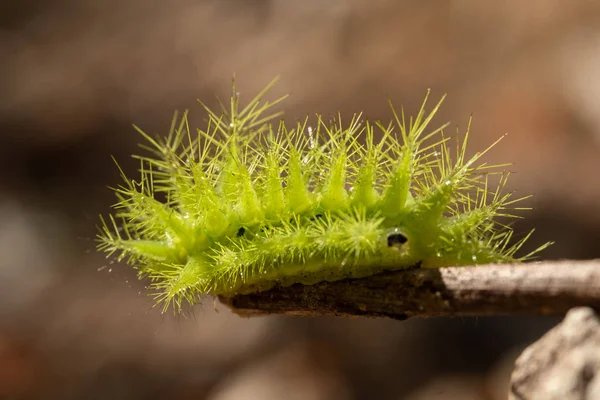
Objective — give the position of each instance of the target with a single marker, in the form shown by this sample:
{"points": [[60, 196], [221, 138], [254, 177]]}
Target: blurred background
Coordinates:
{"points": [[75, 74]]}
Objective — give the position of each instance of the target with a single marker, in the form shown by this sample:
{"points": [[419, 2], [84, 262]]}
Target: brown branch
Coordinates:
{"points": [[534, 288]]}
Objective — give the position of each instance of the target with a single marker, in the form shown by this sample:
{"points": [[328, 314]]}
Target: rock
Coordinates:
{"points": [[563, 364]]}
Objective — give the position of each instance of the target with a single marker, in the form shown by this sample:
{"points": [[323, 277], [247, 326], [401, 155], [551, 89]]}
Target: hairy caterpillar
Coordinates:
{"points": [[245, 203]]}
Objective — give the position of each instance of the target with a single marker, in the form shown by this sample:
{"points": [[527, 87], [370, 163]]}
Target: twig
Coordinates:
{"points": [[551, 287]]}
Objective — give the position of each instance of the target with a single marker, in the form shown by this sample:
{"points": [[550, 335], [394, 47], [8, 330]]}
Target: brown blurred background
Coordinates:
{"points": [[75, 74]]}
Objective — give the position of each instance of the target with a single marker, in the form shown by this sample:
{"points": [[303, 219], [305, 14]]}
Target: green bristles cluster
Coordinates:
{"points": [[246, 203]]}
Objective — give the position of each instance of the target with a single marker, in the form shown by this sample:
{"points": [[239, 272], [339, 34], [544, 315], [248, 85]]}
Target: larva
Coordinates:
{"points": [[246, 202]]}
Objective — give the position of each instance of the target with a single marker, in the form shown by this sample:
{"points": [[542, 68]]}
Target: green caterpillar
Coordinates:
{"points": [[245, 203]]}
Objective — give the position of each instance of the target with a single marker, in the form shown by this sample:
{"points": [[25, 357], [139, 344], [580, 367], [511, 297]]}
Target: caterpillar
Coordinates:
{"points": [[247, 202]]}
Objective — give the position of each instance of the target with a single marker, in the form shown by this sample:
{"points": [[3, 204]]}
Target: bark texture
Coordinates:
{"points": [[564, 364]]}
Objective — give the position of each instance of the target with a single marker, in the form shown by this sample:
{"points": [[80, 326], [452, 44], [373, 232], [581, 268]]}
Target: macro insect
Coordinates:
{"points": [[246, 202]]}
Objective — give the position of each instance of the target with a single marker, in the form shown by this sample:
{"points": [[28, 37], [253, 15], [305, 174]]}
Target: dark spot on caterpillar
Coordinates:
{"points": [[316, 216], [240, 232], [396, 238]]}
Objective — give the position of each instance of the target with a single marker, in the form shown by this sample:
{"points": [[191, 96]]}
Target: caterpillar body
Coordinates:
{"points": [[246, 203]]}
